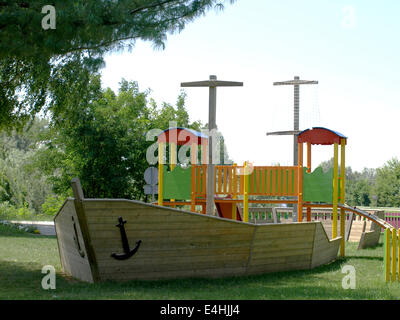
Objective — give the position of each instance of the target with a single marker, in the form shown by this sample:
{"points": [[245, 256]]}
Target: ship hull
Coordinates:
{"points": [[172, 243]]}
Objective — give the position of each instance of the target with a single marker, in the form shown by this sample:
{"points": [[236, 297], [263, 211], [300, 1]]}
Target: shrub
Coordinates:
{"points": [[9, 212], [51, 206], [24, 213]]}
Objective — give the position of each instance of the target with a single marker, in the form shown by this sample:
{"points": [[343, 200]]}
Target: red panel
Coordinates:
{"points": [[225, 210], [180, 136], [319, 136]]}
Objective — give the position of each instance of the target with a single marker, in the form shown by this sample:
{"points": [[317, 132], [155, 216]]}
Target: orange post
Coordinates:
{"points": [[308, 213], [335, 190], [245, 192], [308, 157], [234, 191], [204, 179], [193, 182], [300, 184], [308, 171], [160, 173], [172, 160]]}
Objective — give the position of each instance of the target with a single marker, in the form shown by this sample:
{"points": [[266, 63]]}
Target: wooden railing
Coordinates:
{"points": [[273, 181], [199, 184], [228, 180], [263, 181]]}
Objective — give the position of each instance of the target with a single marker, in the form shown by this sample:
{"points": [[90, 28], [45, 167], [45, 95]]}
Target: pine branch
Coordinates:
{"points": [[110, 42], [20, 4], [152, 6]]}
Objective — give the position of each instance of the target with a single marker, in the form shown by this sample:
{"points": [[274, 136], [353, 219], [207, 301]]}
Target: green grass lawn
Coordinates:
{"points": [[22, 256]]}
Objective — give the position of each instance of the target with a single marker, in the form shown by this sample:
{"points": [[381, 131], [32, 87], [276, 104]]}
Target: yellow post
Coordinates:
{"points": [[342, 193], [172, 158], [387, 254], [234, 186], [160, 173], [335, 190], [394, 254], [245, 193]]}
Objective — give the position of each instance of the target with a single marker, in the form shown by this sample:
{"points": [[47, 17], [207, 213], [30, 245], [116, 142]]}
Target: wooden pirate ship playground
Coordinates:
{"points": [[120, 239]]}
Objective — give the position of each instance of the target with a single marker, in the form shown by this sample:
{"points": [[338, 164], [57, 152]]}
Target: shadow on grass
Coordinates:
{"points": [[379, 245], [276, 286], [22, 281], [364, 258]]}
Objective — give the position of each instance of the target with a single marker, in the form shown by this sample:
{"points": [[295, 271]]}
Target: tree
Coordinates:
{"points": [[21, 184], [358, 184], [103, 142], [387, 185], [37, 65]]}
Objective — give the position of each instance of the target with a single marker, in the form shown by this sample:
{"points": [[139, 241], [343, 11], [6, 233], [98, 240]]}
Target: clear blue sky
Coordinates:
{"points": [[351, 47]]}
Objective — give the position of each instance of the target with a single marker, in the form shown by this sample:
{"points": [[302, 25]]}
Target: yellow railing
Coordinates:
{"points": [[391, 255], [263, 181]]}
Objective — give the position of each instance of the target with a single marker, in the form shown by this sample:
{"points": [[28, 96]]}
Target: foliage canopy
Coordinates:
{"points": [[36, 65]]}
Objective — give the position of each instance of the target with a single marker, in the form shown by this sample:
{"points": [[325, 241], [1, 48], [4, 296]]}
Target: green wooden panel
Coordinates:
{"points": [[177, 183], [318, 185]]}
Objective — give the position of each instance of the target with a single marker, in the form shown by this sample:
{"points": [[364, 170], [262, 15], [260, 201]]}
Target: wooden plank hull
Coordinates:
{"points": [[73, 261], [180, 244]]}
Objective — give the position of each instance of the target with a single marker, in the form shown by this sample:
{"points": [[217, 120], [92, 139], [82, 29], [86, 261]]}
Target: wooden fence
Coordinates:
{"points": [[393, 217]]}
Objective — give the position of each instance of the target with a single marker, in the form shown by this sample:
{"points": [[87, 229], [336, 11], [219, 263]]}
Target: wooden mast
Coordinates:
{"points": [[212, 84]]}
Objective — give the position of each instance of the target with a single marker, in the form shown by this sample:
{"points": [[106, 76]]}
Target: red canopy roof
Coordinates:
{"points": [[182, 136], [319, 135]]}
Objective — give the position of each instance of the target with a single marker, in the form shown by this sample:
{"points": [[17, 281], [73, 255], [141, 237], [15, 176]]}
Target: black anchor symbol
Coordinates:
{"points": [[127, 251]]}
